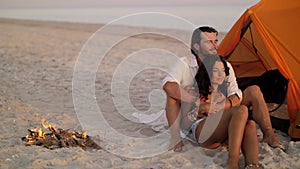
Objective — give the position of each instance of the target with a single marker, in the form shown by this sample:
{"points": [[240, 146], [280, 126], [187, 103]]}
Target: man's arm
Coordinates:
{"points": [[173, 90], [232, 86], [234, 93], [232, 101]]}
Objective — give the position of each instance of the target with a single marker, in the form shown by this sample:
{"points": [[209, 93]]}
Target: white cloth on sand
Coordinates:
{"points": [[158, 121]]}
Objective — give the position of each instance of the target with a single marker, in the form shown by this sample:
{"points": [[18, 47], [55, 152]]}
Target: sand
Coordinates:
{"points": [[41, 60]]}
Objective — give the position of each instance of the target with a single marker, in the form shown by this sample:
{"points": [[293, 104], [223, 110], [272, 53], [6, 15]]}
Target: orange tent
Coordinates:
{"points": [[266, 38]]}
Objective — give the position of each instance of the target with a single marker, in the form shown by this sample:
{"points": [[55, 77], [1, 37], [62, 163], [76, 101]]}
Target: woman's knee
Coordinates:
{"points": [[242, 111], [251, 127]]}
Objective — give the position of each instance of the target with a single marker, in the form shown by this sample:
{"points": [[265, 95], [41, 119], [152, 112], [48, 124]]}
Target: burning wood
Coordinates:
{"points": [[58, 138]]}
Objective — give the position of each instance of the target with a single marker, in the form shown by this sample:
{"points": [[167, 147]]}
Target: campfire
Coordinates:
{"points": [[58, 138]]}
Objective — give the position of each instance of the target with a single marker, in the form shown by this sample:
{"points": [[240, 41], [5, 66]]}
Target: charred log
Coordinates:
{"points": [[59, 138]]}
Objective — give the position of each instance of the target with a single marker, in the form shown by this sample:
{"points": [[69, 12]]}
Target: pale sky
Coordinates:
{"points": [[115, 3]]}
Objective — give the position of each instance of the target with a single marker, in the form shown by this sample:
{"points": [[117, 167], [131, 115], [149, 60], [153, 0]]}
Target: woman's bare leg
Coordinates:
{"points": [[250, 144], [235, 136], [231, 126]]}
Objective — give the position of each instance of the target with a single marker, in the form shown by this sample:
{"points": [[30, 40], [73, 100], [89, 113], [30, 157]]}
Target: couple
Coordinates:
{"points": [[222, 115]]}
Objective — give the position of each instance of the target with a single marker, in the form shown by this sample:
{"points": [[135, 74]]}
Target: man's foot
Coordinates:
{"points": [[280, 146], [273, 142], [177, 147]]}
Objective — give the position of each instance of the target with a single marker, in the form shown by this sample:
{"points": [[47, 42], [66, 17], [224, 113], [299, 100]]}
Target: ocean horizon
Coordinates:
{"points": [[171, 17]]}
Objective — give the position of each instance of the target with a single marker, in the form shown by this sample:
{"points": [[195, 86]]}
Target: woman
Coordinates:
{"points": [[209, 127]]}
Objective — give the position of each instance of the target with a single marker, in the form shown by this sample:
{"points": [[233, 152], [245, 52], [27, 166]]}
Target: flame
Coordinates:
{"points": [[41, 134], [48, 126], [84, 135], [28, 138], [73, 136]]}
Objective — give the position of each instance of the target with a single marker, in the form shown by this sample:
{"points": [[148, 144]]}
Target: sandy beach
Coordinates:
{"points": [[52, 70]]}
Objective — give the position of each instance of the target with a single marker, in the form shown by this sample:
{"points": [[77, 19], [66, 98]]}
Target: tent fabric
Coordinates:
{"points": [[265, 38]]}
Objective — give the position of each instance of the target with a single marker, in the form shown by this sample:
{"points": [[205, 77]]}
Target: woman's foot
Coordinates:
{"points": [[232, 163], [232, 166], [252, 166]]}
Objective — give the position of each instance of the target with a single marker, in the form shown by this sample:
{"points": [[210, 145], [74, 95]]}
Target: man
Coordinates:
{"points": [[203, 44]]}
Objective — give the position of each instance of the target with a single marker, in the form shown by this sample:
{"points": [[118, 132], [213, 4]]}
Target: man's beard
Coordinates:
{"points": [[206, 54]]}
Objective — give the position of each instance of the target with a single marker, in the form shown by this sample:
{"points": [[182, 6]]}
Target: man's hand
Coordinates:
{"points": [[235, 100], [176, 145]]}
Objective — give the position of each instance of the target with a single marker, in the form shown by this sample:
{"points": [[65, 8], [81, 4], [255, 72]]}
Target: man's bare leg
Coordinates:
{"points": [[174, 117], [252, 96]]}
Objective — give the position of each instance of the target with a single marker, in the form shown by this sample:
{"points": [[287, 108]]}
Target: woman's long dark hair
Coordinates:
{"points": [[204, 73]]}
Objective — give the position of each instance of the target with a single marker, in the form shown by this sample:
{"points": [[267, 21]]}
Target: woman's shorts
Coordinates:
{"points": [[191, 132]]}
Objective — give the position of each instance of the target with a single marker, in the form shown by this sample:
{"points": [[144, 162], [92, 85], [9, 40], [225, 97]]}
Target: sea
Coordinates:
{"points": [[222, 17]]}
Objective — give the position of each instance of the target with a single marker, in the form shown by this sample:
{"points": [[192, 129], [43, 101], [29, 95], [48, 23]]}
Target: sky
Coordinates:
{"points": [[114, 3]]}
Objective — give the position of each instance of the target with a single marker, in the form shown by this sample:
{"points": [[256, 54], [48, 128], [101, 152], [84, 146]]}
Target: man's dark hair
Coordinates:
{"points": [[196, 36]]}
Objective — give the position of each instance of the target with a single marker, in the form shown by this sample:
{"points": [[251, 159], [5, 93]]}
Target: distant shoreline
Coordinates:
{"points": [[222, 18], [92, 26]]}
